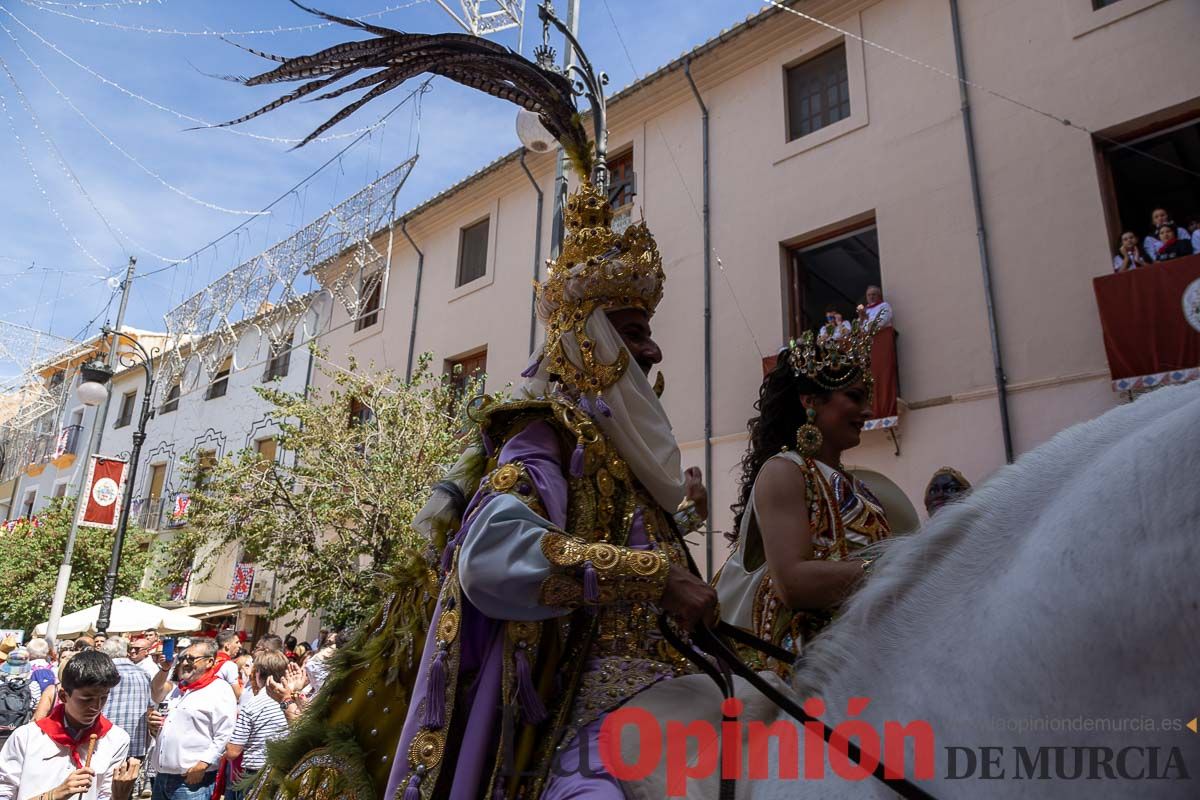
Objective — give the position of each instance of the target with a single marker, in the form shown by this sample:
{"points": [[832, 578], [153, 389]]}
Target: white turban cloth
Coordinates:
{"points": [[638, 427]]}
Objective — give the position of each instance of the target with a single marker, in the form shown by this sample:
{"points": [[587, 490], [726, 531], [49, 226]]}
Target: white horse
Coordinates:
{"points": [[1056, 607]]}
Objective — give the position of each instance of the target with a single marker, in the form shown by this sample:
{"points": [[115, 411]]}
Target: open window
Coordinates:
{"points": [[833, 272], [1156, 169]]}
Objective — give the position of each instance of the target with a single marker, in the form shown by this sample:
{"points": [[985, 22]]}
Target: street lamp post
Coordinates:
{"points": [[97, 380]]}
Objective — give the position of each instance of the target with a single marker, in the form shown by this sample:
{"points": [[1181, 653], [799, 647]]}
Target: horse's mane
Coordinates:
{"points": [[952, 549]]}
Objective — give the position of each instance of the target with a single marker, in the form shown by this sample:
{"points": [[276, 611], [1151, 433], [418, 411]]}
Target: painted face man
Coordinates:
{"points": [[946, 486]]}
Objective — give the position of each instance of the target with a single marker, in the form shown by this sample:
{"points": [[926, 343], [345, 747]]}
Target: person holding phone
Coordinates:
{"points": [[191, 736]]}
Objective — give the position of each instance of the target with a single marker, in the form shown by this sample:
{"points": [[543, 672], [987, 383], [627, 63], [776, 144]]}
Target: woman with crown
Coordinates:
{"points": [[801, 517]]}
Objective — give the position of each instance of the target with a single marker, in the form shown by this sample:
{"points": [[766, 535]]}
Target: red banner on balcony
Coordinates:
{"points": [[104, 489], [1151, 323], [887, 381]]}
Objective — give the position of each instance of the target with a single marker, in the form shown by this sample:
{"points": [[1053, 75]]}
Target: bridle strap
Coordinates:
{"points": [[720, 676], [761, 645], [709, 642]]}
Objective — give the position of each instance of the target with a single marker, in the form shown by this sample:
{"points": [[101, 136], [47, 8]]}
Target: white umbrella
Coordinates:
{"points": [[128, 616]]}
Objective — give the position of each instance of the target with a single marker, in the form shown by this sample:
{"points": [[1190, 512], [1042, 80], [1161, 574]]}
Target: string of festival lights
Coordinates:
{"points": [[110, 4], [37, 179], [202, 123], [129, 156], [261, 32], [58, 156], [113, 228]]}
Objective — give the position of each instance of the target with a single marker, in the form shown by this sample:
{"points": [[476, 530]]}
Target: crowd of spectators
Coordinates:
{"points": [[1165, 241], [191, 721]]}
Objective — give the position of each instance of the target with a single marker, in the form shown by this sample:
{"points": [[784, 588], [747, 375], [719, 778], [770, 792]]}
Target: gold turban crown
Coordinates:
{"points": [[597, 268], [833, 363]]}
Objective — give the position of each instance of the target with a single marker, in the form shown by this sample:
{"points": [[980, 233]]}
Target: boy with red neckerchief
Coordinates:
{"points": [[47, 759]]}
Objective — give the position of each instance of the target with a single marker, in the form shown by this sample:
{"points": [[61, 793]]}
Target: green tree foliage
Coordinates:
{"points": [[330, 517], [30, 556]]}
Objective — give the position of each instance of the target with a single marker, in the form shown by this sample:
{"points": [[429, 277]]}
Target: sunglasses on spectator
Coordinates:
{"points": [[194, 659]]}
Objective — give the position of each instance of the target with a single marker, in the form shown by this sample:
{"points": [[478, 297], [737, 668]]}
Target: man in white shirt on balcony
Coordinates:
{"points": [[878, 311], [198, 723]]}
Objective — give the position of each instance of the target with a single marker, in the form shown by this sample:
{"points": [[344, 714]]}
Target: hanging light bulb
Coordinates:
{"points": [[533, 133]]}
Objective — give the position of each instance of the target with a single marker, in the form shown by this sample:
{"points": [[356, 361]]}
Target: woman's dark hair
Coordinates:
{"points": [[290, 642], [780, 415], [89, 668]]}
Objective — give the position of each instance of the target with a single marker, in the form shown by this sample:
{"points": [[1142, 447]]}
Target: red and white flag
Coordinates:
{"points": [[243, 582], [179, 512], [104, 490]]}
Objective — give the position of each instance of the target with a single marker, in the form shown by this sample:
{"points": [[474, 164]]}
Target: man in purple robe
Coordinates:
{"points": [[551, 587]]}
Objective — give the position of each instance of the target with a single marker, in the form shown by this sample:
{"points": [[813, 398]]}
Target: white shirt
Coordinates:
{"points": [[149, 666], [880, 316], [230, 673], [197, 728], [1196, 241], [31, 763]]}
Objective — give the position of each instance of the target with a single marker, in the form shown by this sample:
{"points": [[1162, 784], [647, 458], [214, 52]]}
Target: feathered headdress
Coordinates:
{"points": [[392, 57], [597, 268]]}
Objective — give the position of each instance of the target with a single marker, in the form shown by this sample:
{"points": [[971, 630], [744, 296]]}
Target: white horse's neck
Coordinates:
{"points": [[1063, 593]]}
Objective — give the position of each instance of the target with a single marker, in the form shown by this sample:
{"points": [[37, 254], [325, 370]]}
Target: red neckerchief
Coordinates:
{"points": [[872, 305], [1162, 248], [202, 681], [55, 727]]}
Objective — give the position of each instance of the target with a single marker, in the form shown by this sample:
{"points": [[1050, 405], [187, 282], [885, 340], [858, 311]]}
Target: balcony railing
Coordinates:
{"points": [[69, 439], [157, 513]]}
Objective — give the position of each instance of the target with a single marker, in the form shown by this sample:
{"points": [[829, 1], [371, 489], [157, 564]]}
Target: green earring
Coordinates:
{"points": [[808, 438]]}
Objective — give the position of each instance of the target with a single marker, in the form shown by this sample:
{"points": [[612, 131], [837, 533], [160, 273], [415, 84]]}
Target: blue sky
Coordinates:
{"points": [[48, 282]]}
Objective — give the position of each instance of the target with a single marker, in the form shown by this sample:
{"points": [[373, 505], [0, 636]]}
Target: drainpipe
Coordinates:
{"points": [[537, 253], [708, 412], [412, 335], [981, 231]]}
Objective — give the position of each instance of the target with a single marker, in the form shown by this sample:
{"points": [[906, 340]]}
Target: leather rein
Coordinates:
{"points": [[708, 642]]}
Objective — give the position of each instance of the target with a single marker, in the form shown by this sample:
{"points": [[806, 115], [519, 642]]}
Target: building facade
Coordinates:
{"points": [[833, 164], [202, 414]]}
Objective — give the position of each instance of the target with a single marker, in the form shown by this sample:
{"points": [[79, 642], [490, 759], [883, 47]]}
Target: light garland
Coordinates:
{"points": [[133, 159], [209, 316], [61, 161], [265, 31], [179, 114], [111, 4], [37, 179], [33, 117]]}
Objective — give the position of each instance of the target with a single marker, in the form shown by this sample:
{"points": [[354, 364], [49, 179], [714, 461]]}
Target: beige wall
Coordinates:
{"points": [[901, 159]]}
